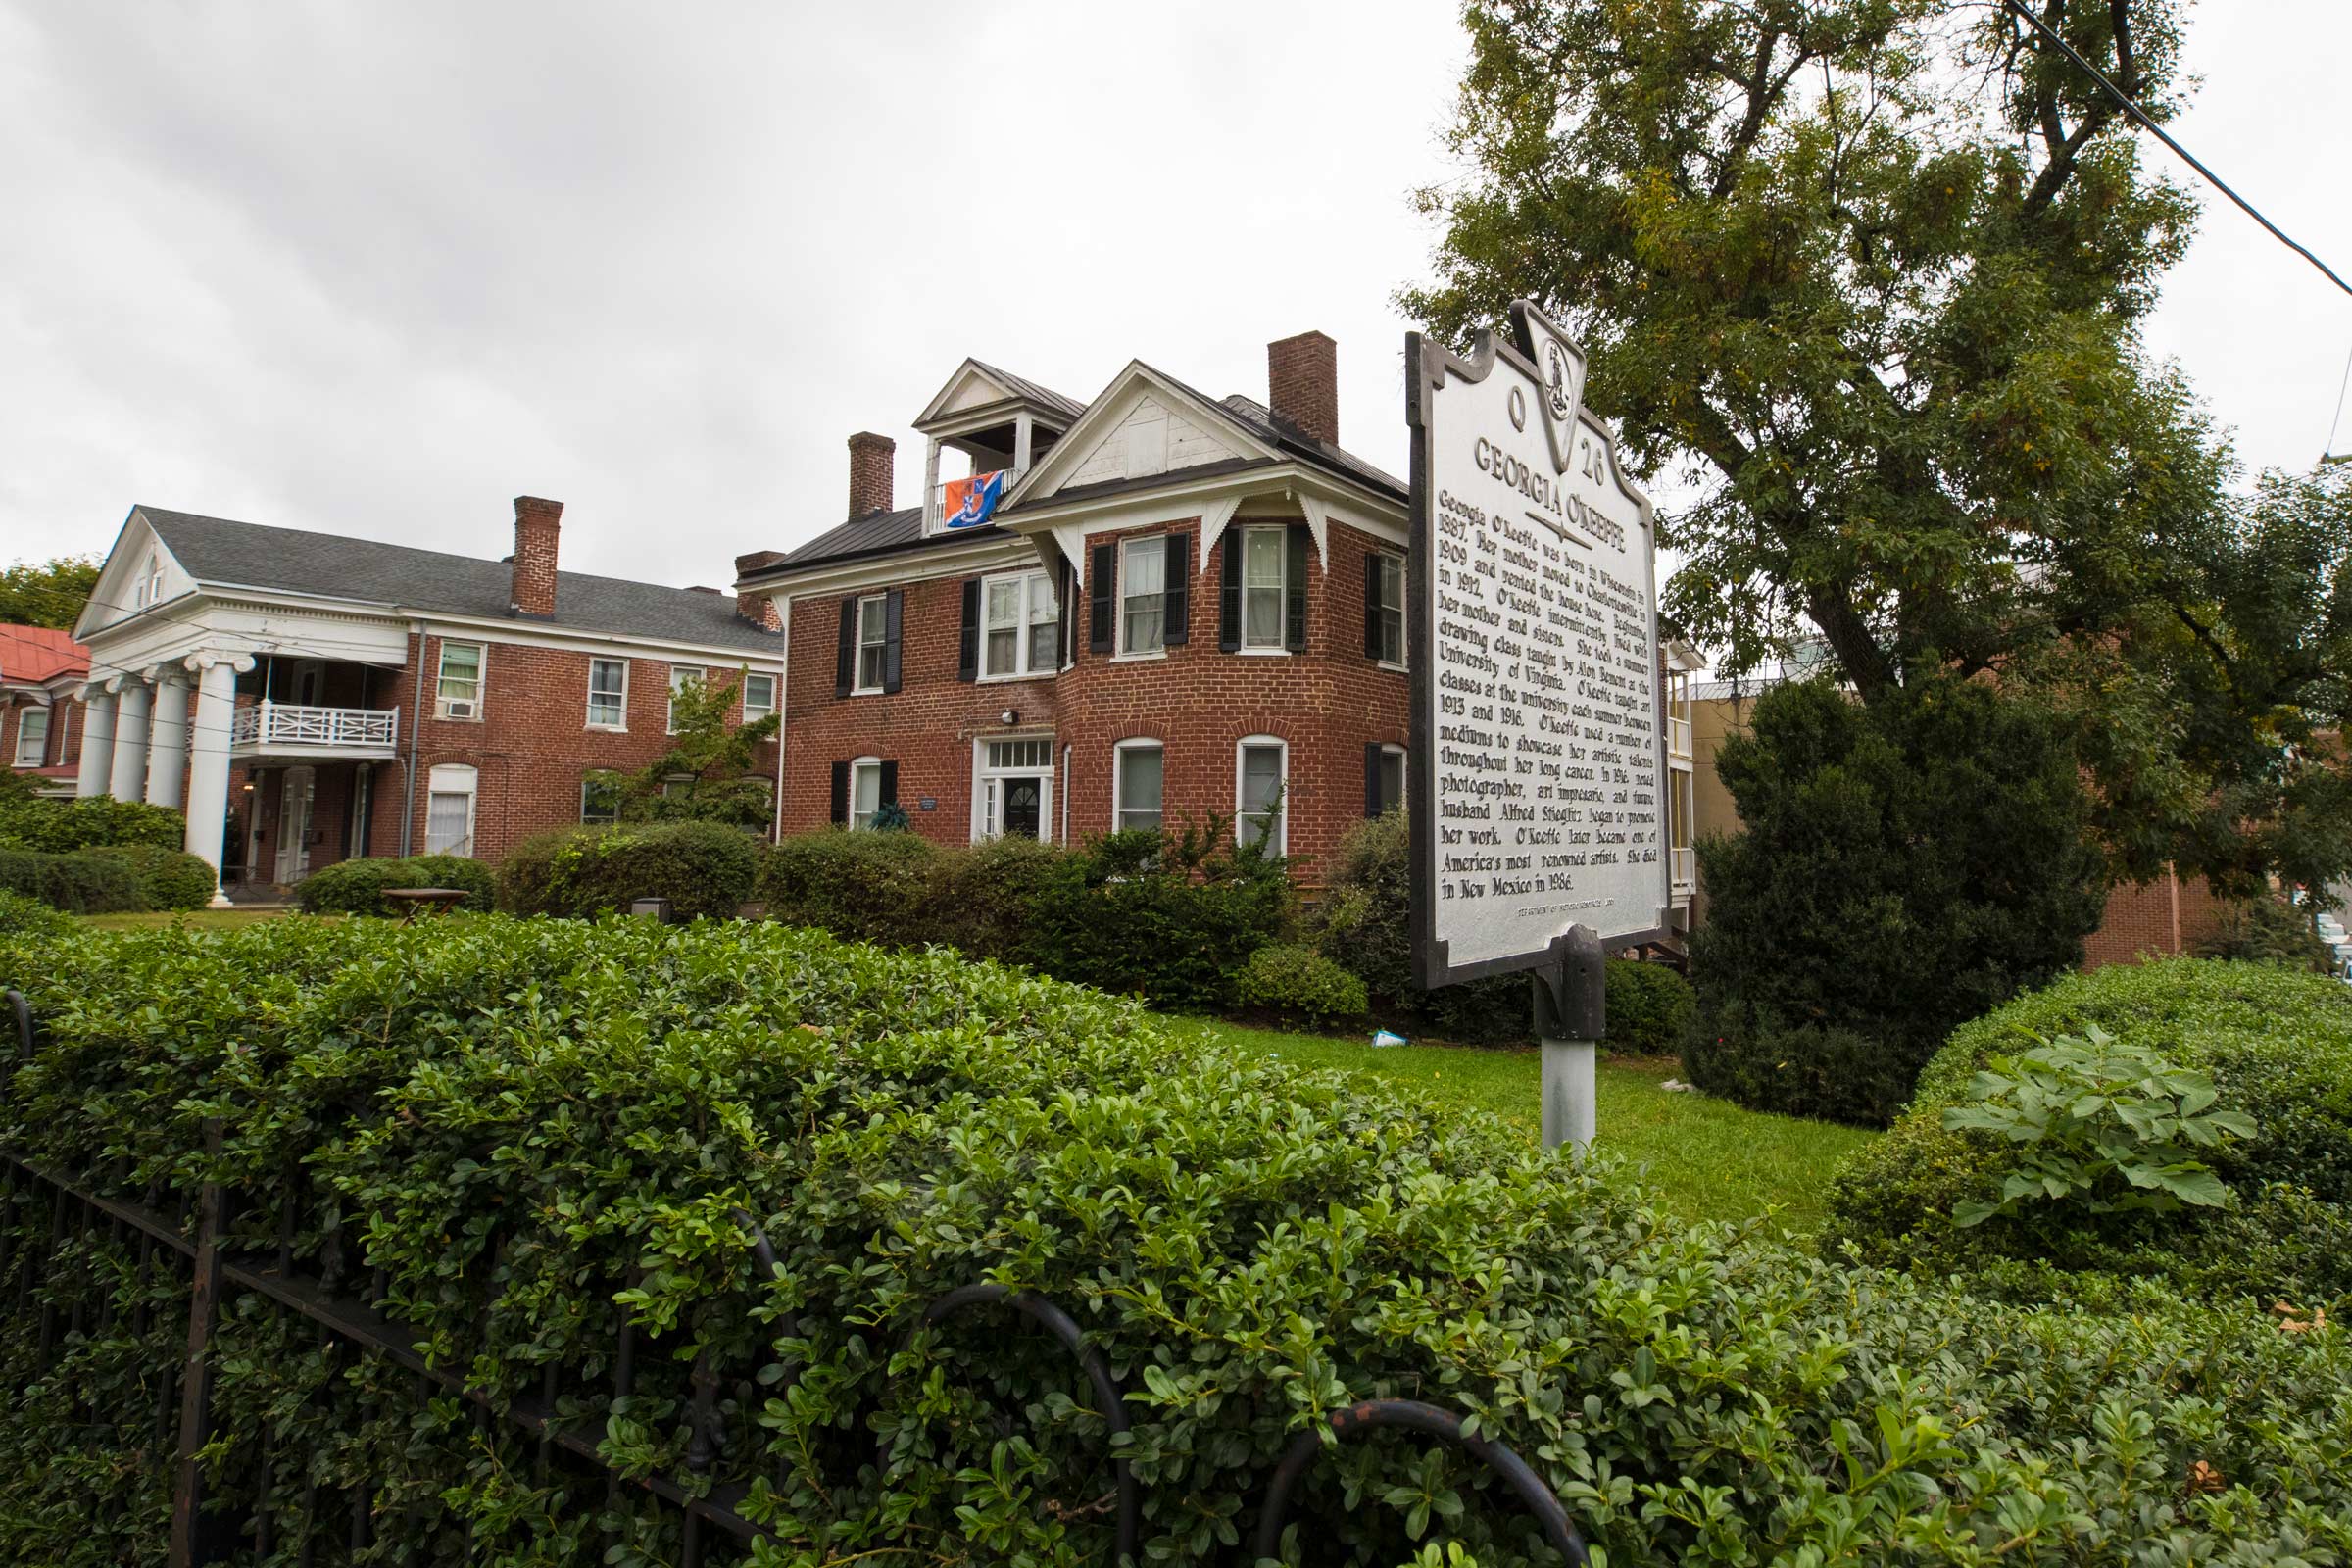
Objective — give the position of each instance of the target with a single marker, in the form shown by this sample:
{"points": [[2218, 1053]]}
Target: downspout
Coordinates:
{"points": [[407, 810], [783, 670], [1065, 795]]}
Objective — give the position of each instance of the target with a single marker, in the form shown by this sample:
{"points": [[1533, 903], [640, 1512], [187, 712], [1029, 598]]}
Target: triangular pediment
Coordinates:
{"points": [[140, 572], [1143, 425]]}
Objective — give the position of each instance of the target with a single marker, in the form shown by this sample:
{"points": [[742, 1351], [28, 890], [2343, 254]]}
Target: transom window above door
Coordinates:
{"points": [[1022, 632]]}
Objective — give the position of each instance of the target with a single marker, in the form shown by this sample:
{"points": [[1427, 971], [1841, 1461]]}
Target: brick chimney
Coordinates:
{"points": [[536, 524], [758, 609], [1302, 384], [873, 461]]}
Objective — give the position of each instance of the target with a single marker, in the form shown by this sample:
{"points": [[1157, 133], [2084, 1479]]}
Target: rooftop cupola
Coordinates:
{"points": [[992, 425]]}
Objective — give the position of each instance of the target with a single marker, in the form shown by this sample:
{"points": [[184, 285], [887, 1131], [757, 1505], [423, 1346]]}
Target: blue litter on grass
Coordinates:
{"points": [[1382, 1037]]}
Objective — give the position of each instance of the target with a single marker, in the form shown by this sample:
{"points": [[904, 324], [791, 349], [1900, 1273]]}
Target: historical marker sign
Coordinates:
{"points": [[1538, 797]]}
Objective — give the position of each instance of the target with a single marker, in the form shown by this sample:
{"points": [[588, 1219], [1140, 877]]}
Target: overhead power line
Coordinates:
{"points": [[2140, 116]]}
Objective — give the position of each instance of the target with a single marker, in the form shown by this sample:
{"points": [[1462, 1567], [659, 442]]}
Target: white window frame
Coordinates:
{"points": [[876, 605], [592, 781], [859, 768], [620, 726], [988, 787], [701, 674], [444, 780], [753, 715], [1404, 774], [1118, 776], [40, 752], [1034, 587], [1280, 534], [1389, 558], [481, 679], [1156, 546], [1282, 782]]}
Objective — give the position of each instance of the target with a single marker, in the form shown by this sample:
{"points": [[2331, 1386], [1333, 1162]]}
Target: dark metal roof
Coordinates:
{"points": [[1267, 426], [250, 555], [877, 533], [1033, 392]]}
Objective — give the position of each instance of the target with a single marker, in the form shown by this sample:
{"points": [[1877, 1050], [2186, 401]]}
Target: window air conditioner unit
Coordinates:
{"points": [[457, 709]]}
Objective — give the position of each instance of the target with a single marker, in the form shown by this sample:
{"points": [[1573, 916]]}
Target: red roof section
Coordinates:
{"points": [[39, 652]]}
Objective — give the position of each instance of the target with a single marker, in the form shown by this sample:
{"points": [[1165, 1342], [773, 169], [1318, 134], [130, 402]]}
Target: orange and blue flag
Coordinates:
{"points": [[969, 503]]}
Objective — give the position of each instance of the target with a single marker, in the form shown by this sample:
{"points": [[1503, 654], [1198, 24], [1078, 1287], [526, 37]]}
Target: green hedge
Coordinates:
{"points": [[167, 878], [706, 869], [60, 826], [1650, 1008], [22, 915], [2277, 1043], [79, 884], [1166, 916], [1300, 983], [357, 887], [532, 1127]]}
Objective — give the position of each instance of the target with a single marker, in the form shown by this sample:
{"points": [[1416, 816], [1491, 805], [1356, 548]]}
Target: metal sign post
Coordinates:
{"points": [[1539, 747]]}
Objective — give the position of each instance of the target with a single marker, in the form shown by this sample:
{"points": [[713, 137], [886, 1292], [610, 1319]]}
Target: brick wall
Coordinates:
{"points": [[1197, 701], [62, 749], [2169, 915]]}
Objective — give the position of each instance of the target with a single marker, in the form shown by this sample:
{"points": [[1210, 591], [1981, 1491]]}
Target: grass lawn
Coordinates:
{"points": [[1706, 1159], [150, 921]]}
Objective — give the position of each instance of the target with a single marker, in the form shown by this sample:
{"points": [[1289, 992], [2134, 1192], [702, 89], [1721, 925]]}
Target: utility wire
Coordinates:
{"points": [[2187, 157]]}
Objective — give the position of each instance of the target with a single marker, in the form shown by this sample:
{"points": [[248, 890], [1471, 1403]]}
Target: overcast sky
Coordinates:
{"points": [[375, 270]]}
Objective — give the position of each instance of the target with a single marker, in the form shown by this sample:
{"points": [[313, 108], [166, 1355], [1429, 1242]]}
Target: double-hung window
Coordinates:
{"points": [[1262, 586], [607, 693], [458, 692], [866, 792], [873, 640], [32, 737], [449, 810], [681, 676], [1384, 609], [1136, 780], [1260, 765], [1143, 595], [1383, 779], [758, 696], [1022, 631], [600, 800]]}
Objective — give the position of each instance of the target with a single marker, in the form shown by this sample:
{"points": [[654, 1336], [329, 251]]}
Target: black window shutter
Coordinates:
{"points": [[845, 667], [1229, 604], [1372, 647], [893, 605], [1068, 606], [967, 655], [1102, 600], [890, 784], [1294, 621], [1176, 598], [841, 794], [1372, 759]]}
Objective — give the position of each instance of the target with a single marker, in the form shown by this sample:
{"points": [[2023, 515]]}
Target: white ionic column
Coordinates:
{"points": [[168, 737], [128, 779], [97, 740], [208, 760]]}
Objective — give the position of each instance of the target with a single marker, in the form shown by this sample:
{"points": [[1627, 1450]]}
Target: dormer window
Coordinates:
{"points": [[994, 426]]}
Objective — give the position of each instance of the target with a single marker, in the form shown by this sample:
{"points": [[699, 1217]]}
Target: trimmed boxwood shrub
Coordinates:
{"points": [[704, 869], [169, 879], [1299, 983], [1650, 1008], [868, 887], [23, 915], [79, 884], [2278, 1044], [61, 826], [356, 885], [1250, 1246]]}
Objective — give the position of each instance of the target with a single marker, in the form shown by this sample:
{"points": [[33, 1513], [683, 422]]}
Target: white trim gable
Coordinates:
{"points": [[125, 586], [1141, 415], [970, 387]]}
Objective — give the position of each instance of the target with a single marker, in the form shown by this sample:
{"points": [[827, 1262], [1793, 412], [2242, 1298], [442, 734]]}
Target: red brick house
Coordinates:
{"points": [[1176, 605], [42, 671], [311, 697]]}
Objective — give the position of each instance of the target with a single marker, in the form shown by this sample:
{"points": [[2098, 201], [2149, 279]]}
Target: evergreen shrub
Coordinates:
{"points": [[61, 826], [167, 878], [22, 915], [1650, 1008], [79, 884], [2277, 1044], [706, 869], [534, 1128], [862, 886], [1299, 983], [2269, 930], [1904, 867], [356, 885]]}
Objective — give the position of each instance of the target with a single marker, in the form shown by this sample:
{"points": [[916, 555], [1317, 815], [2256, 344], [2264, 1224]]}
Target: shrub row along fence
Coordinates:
{"points": [[57, 1274]]}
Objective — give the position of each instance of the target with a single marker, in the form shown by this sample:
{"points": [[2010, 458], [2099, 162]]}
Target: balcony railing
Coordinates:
{"points": [[269, 726], [935, 502], [1678, 737], [1686, 872]]}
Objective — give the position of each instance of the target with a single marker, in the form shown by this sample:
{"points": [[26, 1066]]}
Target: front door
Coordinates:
{"points": [[294, 824], [1023, 800]]}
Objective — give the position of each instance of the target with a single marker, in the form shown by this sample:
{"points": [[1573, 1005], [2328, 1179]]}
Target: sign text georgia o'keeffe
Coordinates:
{"points": [[1538, 797]]}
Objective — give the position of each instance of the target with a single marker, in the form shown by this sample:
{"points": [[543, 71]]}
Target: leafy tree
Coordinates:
{"points": [[47, 593], [1870, 274], [707, 776], [1906, 867]]}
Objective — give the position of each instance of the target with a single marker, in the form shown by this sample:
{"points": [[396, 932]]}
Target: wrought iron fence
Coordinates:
{"points": [[194, 1241]]}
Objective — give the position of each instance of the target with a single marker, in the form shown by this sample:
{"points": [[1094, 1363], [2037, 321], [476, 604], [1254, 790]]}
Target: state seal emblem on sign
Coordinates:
{"points": [[1559, 380]]}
